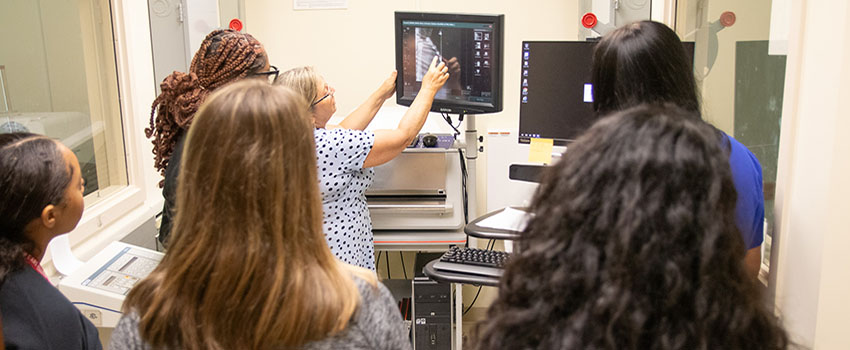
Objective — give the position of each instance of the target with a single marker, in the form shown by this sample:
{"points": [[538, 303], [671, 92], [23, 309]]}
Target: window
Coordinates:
{"points": [[741, 74], [58, 78]]}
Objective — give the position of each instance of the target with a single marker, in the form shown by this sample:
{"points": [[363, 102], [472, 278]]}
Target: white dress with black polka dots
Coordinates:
{"points": [[343, 182]]}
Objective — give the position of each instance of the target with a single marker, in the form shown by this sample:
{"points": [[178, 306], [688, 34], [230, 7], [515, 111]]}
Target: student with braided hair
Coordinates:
{"points": [[225, 56]]}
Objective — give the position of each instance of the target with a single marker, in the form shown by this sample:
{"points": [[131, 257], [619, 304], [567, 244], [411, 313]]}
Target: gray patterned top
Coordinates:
{"points": [[377, 325]]}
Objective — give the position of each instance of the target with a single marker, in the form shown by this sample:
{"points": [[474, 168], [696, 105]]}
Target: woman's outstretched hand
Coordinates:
{"points": [[436, 76], [387, 88]]}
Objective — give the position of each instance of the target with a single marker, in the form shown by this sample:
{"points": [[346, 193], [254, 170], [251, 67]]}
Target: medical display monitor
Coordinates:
{"points": [[470, 45], [556, 93]]}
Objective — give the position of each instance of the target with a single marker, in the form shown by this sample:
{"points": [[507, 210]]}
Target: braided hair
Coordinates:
{"points": [[225, 55]]}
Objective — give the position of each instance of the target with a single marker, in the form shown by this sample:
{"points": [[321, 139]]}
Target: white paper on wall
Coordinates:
{"points": [[201, 18], [319, 4]]}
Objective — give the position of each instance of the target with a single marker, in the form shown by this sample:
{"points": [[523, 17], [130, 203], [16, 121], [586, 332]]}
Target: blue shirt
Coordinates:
{"points": [[749, 209]]}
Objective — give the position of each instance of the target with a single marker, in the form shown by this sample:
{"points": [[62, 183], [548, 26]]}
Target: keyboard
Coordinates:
{"points": [[473, 261]]}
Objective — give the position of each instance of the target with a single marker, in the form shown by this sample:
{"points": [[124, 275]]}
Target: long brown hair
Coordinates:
{"points": [[225, 55], [248, 267]]}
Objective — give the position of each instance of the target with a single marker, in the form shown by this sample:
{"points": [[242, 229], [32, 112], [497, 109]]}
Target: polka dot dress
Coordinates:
{"points": [[343, 182]]}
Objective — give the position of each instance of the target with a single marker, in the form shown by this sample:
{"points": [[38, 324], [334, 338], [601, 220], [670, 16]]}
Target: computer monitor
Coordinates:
{"points": [[556, 94], [472, 47]]}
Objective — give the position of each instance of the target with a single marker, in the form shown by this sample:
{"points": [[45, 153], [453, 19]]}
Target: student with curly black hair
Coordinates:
{"points": [[633, 245]]}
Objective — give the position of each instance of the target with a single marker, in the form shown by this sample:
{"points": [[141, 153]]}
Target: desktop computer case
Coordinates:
{"points": [[432, 315]]}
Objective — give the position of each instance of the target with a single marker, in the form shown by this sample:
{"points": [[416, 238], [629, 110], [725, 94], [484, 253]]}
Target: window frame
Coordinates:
{"points": [[127, 208]]}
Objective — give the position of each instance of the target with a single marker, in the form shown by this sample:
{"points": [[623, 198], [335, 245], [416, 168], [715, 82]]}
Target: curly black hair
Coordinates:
{"points": [[633, 245]]}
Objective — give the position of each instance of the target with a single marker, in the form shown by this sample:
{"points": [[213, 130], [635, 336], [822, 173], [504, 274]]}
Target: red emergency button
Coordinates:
{"points": [[588, 20], [236, 24], [727, 19]]}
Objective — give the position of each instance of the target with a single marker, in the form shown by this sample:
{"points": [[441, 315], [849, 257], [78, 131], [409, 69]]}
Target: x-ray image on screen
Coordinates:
{"points": [[469, 45], [426, 49], [469, 75]]}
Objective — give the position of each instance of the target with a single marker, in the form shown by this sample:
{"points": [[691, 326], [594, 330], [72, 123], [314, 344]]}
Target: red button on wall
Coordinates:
{"points": [[588, 20], [236, 24], [727, 19]]}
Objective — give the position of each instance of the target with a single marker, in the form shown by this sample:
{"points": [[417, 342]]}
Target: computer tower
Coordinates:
{"points": [[432, 315]]}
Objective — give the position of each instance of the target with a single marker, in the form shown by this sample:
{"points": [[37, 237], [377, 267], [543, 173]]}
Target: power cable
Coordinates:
{"points": [[403, 268], [389, 277]]}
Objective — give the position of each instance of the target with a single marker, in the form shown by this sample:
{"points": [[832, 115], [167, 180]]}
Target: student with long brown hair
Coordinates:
{"points": [[248, 267], [225, 56]]}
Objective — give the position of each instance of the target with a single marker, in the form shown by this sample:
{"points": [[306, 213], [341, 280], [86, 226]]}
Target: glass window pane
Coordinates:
{"points": [[741, 82], [58, 78]]}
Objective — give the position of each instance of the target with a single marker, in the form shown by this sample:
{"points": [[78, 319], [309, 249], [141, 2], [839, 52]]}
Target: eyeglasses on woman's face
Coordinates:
{"points": [[329, 91], [271, 74]]}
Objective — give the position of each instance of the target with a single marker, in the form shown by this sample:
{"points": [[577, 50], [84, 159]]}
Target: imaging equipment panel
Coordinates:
{"points": [[123, 271], [99, 286]]}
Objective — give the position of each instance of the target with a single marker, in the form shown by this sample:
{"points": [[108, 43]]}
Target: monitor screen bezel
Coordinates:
{"points": [[497, 65]]}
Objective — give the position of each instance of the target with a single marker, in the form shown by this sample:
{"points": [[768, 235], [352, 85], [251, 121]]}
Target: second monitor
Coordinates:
{"points": [[556, 95], [556, 92]]}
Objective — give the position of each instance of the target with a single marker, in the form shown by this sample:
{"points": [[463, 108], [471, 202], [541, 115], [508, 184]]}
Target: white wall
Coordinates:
{"points": [[355, 48], [810, 267]]}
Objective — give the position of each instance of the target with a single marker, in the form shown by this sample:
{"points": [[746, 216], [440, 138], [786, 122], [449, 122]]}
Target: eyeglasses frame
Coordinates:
{"points": [[272, 73], [330, 92]]}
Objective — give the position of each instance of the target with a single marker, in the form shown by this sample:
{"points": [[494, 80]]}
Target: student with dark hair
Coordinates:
{"points": [[633, 245], [248, 266], [225, 56], [42, 190], [644, 62]]}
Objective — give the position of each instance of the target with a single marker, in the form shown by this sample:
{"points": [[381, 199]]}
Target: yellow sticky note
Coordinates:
{"points": [[540, 151]]}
